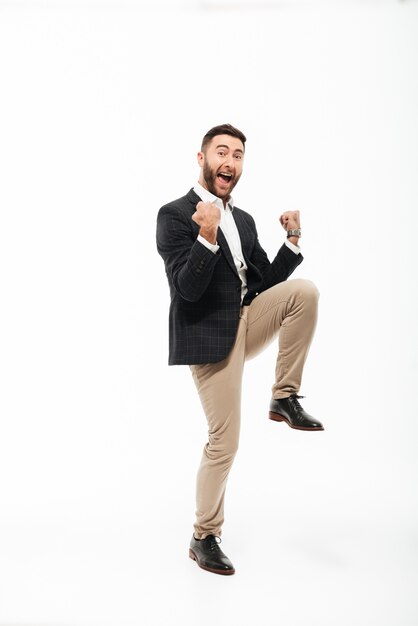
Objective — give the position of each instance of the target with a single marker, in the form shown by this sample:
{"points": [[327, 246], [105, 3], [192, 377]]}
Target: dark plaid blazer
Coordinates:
{"points": [[205, 287]]}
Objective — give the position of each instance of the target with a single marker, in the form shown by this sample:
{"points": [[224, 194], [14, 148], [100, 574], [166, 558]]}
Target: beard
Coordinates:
{"points": [[209, 176]]}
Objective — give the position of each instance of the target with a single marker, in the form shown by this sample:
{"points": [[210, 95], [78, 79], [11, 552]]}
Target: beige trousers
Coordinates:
{"points": [[288, 310]]}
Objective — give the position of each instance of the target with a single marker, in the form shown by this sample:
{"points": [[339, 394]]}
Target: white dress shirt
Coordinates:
{"points": [[230, 230]]}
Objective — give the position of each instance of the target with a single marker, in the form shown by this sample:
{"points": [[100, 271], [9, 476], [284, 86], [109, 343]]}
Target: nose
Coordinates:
{"points": [[229, 161]]}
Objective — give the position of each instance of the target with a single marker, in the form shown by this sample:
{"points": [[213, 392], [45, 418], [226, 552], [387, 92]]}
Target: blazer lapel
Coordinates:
{"points": [[245, 234], [226, 250]]}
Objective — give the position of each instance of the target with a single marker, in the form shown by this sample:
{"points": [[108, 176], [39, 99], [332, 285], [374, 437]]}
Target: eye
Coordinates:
{"points": [[221, 153], [238, 156]]}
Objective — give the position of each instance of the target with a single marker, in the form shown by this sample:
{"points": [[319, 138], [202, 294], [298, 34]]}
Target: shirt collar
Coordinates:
{"points": [[207, 196]]}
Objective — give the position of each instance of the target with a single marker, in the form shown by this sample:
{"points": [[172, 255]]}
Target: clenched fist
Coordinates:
{"points": [[208, 216], [290, 220]]}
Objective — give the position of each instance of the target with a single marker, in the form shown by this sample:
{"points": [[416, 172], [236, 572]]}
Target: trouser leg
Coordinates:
{"points": [[288, 310], [219, 388]]}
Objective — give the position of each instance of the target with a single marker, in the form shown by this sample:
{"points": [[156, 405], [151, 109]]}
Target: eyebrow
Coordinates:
{"points": [[223, 145]]}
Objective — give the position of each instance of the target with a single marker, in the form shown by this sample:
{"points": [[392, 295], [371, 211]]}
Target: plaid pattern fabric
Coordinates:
{"points": [[205, 288]]}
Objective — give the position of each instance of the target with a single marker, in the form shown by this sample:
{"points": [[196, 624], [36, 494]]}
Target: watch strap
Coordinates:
{"points": [[295, 232]]}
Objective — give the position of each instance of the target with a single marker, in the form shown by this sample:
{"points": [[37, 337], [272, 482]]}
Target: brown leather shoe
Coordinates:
{"points": [[289, 410], [208, 555]]}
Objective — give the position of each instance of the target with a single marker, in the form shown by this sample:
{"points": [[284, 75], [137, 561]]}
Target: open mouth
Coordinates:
{"points": [[224, 177]]}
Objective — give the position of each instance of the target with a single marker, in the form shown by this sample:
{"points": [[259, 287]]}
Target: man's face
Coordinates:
{"points": [[221, 164]]}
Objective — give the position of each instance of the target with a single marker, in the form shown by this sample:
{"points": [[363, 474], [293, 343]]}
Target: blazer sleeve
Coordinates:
{"points": [[283, 265], [188, 263]]}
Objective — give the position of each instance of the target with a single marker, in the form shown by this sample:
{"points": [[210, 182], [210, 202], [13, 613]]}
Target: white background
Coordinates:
{"points": [[103, 106]]}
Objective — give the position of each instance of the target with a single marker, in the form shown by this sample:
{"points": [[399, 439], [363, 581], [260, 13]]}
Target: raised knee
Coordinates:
{"points": [[307, 289]]}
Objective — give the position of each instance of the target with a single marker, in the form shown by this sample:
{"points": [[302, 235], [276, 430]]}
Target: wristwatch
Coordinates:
{"points": [[296, 232]]}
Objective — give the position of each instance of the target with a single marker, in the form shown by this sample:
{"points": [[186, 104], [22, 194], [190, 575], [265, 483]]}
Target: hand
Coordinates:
{"points": [[290, 220], [208, 216]]}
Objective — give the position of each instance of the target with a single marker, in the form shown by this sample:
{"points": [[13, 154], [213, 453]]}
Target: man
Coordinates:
{"points": [[228, 302]]}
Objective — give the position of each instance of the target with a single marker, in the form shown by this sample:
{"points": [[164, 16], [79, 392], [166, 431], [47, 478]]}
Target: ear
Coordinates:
{"points": [[200, 158]]}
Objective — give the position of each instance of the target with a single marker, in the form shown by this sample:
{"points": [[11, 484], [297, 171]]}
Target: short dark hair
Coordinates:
{"points": [[223, 129]]}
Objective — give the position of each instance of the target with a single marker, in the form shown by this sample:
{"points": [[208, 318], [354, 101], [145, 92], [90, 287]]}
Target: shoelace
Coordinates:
{"points": [[295, 401], [213, 542]]}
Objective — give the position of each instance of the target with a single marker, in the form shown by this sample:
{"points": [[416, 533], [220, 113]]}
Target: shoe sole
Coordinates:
{"points": [[223, 572], [280, 418]]}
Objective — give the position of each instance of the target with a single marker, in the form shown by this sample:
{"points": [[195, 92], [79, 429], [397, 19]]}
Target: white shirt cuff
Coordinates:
{"points": [[211, 246], [292, 246]]}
